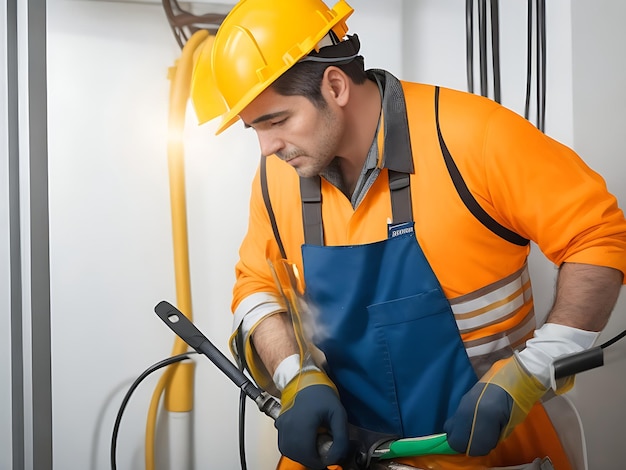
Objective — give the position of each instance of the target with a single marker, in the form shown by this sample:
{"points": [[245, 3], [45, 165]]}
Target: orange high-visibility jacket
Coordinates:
{"points": [[523, 179]]}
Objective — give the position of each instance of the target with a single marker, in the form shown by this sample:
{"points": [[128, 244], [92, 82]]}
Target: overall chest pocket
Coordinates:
{"points": [[426, 370]]}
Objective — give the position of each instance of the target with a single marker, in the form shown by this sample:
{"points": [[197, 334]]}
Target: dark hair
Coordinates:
{"points": [[305, 79]]}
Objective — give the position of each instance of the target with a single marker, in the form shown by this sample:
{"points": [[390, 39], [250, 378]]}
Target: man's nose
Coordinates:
{"points": [[270, 143]]}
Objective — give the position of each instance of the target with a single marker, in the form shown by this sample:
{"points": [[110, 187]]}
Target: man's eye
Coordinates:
{"points": [[278, 123]]}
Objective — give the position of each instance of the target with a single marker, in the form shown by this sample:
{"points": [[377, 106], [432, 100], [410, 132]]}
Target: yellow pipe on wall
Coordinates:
{"points": [[177, 381]]}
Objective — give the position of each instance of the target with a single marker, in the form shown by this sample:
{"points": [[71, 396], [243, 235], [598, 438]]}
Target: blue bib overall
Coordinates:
{"points": [[390, 340], [388, 333]]}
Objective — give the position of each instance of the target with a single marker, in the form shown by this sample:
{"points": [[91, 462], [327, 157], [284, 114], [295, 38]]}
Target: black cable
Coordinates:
{"points": [[529, 59], [495, 49], [469, 44], [146, 373], [538, 61], [541, 63], [482, 48], [613, 340], [242, 430]]}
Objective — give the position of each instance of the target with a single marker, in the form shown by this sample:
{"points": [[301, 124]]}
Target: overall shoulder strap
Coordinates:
{"points": [[268, 206], [465, 194], [400, 190], [311, 194]]}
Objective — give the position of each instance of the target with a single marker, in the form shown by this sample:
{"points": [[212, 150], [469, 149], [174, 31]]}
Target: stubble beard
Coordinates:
{"points": [[328, 140]]}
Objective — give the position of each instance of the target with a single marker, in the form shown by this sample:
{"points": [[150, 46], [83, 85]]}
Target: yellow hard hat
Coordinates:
{"points": [[256, 43]]}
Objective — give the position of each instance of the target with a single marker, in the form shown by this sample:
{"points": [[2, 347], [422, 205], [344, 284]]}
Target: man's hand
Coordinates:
{"points": [[504, 396], [310, 404], [493, 407]]}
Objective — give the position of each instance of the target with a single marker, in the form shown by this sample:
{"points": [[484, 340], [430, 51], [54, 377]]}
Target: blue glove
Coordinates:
{"points": [[503, 397], [309, 404], [490, 410], [479, 420]]}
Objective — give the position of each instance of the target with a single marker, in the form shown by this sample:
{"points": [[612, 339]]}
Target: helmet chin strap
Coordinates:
{"points": [[334, 52]]}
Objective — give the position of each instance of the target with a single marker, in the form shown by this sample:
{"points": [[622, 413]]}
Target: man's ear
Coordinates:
{"points": [[336, 84]]}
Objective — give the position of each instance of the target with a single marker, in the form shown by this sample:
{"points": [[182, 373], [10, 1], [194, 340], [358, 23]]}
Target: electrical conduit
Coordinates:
{"points": [[177, 381]]}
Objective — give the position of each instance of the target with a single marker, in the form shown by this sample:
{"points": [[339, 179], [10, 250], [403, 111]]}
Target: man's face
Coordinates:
{"points": [[295, 130]]}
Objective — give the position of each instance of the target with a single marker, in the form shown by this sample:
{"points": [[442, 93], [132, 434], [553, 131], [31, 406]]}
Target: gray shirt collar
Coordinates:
{"points": [[397, 146]]}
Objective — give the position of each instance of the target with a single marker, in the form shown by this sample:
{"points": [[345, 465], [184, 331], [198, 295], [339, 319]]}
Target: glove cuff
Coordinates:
{"points": [[513, 377], [289, 368], [550, 342], [304, 379]]}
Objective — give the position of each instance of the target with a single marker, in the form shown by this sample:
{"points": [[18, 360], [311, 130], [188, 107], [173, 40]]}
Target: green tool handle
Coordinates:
{"points": [[416, 446]]}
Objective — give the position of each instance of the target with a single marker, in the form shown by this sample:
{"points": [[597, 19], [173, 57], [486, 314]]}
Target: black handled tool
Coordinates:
{"points": [[188, 332]]}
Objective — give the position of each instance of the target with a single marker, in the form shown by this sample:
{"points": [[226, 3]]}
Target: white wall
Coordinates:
{"points": [[111, 247], [599, 67]]}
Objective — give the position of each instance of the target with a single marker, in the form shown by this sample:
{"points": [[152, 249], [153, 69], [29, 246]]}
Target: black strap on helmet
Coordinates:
{"points": [[339, 53]]}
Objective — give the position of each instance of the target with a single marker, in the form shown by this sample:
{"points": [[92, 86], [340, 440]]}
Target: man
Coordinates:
{"points": [[408, 209]]}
